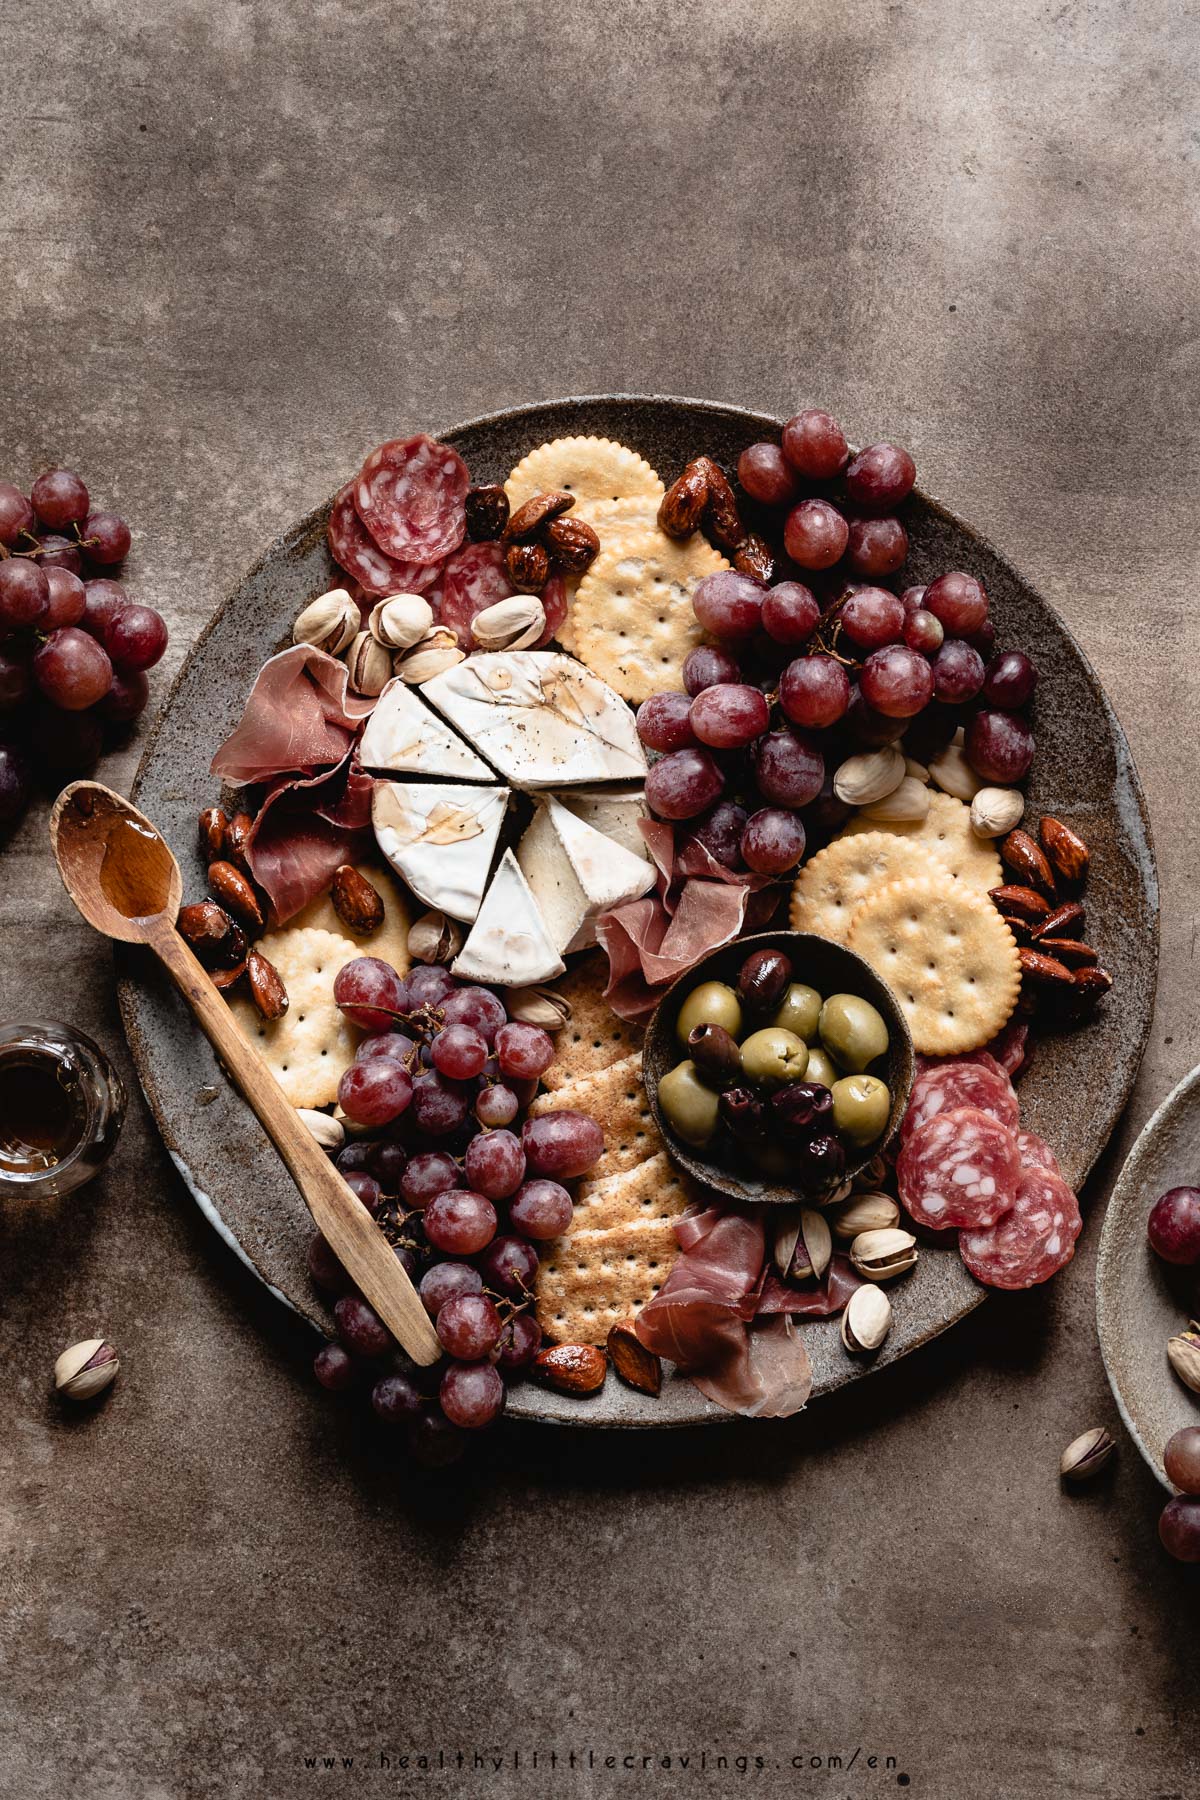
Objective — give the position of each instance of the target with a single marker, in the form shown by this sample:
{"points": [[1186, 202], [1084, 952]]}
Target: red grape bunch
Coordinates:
{"points": [[802, 673], [74, 649], [464, 1192]]}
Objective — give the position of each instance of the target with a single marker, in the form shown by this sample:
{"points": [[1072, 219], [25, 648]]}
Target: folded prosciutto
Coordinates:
{"points": [[300, 717], [305, 829], [700, 1319]]}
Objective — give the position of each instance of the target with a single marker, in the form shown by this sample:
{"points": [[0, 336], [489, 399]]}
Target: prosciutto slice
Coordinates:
{"points": [[820, 1300], [305, 829], [700, 1319], [299, 717]]}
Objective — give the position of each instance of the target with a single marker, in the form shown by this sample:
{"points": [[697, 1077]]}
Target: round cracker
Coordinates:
{"points": [[390, 941], [831, 887], [591, 468], [602, 515], [632, 620], [308, 1049], [948, 957], [946, 833]]}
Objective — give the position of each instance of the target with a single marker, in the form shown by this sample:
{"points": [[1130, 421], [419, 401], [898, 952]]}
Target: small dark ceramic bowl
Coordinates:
{"points": [[828, 967]]}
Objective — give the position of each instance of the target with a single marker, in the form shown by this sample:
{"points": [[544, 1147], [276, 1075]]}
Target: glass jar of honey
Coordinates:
{"points": [[61, 1108]]}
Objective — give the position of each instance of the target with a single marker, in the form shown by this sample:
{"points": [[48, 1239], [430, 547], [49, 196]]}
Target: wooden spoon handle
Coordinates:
{"points": [[353, 1236]]}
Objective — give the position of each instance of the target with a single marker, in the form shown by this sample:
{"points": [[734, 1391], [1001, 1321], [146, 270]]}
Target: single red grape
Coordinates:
{"points": [[983, 640], [880, 477], [1181, 1459], [999, 746], [364, 1187], [24, 593], [396, 1400], [562, 1145], [135, 637], [790, 613], [393, 1046], [460, 1222], [468, 1326], [510, 1264], [872, 617], [368, 992], [876, 547], [957, 672], [446, 1281], [471, 1395], [896, 681], [72, 670], [912, 598], [720, 833], [459, 1051], [429, 1173], [789, 768], [959, 601], [773, 841], [766, 475], [375, 1093], [524, 1050], [730, 716], [683, 784], [541, 1209], [1010, 681], [15, 680], [1174, 1226], [814, 691], [429, 986], [106, 538], [664, 722], [474, 1006], [439, 1105], [103, 599], [59, 499], [815, 445], [360, 1328], [68, 599], [387, 1165], [495, 1164], [1179, 1529], [496, 1105], [704, 667], [729, 605], [335, 1368], [324, 1268], [922, 631], [519, 1342], [59, 552], [16, 514], [815, 535], [127, 698]]}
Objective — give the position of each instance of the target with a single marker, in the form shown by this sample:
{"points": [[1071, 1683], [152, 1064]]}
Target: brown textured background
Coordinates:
{"points": [[241, 243]]}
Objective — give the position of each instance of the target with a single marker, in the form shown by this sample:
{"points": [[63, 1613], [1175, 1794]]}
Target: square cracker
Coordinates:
{"points": [[310, 1046], [390, 942], [948, 957], [831, 887], [945, 832], [652, 1190], [593, 1279], [616, 1098], [593, 1038]]}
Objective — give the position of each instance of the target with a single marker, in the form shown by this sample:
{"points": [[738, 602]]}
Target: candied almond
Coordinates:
{"points": [[266, 986], [235, 894], [1065, 848], [571, 1368], [682, 506], [213, 829], [637, 1367], [355, 901], [528, 520]]}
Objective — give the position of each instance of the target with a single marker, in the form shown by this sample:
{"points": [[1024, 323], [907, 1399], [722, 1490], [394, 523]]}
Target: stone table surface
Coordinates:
{"points": [[245, 241]]}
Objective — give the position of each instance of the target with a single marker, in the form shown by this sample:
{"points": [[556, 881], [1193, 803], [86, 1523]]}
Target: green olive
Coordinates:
{"points": [[861, 1104], [800, 1011], [852, 1031], [689, 1107], [712, 1003], [773, 1057], [821, 1067]]}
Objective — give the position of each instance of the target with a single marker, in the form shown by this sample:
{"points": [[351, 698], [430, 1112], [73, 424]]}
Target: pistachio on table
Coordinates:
{"points": [[86, 1369], [1087, 1454], [513, 624]]}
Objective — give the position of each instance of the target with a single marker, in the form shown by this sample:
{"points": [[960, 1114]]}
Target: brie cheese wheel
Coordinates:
{"points": [[405, 735], [440, 839], [540, 718], [575, 873], [614, 811], [508, 945]]}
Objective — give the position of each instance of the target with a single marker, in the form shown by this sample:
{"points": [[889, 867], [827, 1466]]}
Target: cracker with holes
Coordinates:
{"points": [[593, 1037], [632, 620], [833, 885], [309, 1047], [616, 1098], [590, 1280], [390, 942], [944, 832], [591, 468], [948, 957]]}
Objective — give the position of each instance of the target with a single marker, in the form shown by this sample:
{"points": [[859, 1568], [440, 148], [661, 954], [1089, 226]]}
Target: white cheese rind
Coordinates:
{"points": [[540, 718], [405, 735], [440, 839], [576, 873], [508, 945], [614, 811]]}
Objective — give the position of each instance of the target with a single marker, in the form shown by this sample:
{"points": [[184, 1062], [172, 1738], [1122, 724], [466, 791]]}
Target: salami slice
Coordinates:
{"points": [[1035, 1153], [960, 1168], [473, 578], [961, 1083], [1033, 1241], [410, 494], [554, 601], [1010, 1047], [354, 550]]}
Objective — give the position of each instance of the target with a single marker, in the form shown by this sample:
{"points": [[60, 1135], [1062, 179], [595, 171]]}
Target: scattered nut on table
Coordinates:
{"points": [[86, 1369]]}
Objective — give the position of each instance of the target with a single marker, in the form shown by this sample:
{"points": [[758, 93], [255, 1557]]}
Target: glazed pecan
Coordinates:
{"points": [[528, 567], [572, 544], [528, 519], [487, 512], [683, 504]]}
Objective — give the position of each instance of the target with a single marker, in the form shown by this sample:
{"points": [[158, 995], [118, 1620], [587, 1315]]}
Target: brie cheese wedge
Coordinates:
{"points": [[405, 735], [540, 718], [614, 811], [508, 945], [575, 873], [440, 839]]}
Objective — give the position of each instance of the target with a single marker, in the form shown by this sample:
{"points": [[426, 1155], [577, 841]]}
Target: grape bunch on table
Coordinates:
{"points": [[74, 648]]}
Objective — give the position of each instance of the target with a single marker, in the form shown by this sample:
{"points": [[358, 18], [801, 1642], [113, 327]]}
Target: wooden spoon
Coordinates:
{"points": [[123, 878]]}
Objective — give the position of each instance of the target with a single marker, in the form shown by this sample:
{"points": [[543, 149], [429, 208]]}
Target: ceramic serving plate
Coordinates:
{"points": [[1073, 1093], [1140, 1300]]}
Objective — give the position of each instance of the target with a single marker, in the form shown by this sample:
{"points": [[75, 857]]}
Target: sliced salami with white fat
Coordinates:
{"points": [[1033, 1241], [354, 550], [960, 1168], [1035, 1153], [410, 494], [961, 1081], [1010, 1047]]}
